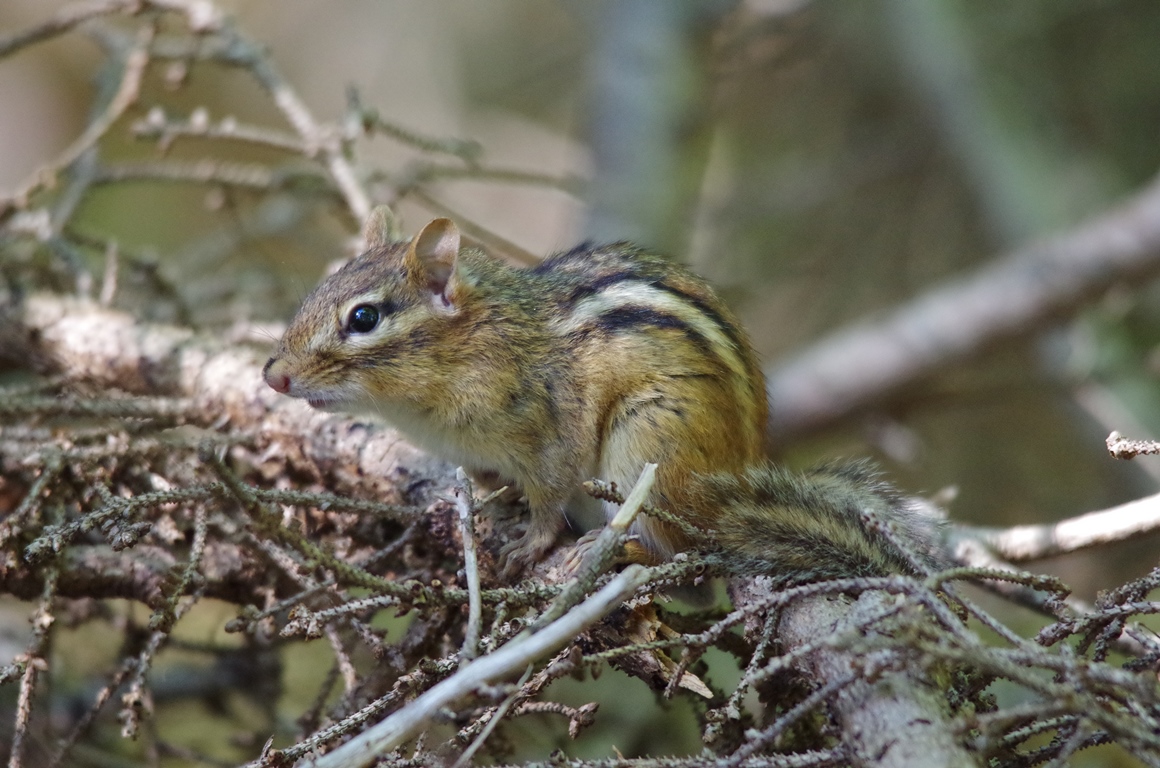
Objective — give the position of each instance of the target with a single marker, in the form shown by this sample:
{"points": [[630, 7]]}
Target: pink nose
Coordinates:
{"points": [[278, 381]]}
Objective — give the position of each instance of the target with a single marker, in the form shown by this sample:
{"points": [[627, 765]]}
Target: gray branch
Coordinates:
{"points": [[86, 342], [861, 366]]}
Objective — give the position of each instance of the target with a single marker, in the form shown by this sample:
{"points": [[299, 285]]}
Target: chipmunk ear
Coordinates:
{"points": [[381, 228], [431, 259]]}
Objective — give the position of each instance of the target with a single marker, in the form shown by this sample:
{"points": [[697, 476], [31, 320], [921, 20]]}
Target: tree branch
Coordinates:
{"points": [[890, 712], [1021, 543], [86, 342], [863, 365]]}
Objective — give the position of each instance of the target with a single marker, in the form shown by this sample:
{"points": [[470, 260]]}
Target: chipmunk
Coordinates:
{"points": [[590, 364]]}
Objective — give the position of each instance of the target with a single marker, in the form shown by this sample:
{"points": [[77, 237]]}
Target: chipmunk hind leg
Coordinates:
{"points": [[660, 431]]}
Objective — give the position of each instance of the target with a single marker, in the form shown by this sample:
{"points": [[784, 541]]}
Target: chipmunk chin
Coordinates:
{"points": [[329, 404]]}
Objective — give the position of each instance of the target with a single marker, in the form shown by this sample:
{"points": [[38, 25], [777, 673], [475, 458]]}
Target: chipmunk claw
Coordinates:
{"points": [[525, 551], [634, 552], [579, 550]]}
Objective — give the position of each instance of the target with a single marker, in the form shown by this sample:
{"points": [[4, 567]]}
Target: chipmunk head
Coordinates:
{"points": [[367, 330]]}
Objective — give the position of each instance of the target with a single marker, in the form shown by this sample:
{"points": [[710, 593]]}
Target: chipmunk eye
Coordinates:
{"points": [[362, 319]]}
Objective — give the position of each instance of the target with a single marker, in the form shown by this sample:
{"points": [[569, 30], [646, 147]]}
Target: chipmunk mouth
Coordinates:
{"points": [[322, 403]]}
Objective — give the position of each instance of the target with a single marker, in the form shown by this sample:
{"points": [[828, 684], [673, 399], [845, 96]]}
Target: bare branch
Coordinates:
{"points": [[105, 347], [1021, 543], [34, 662], [465, 506], [157, 125], [1136, 640], [890, 716], [1017, 294], [324, 139], [65, 20], [1121, 447], [133, 70]]}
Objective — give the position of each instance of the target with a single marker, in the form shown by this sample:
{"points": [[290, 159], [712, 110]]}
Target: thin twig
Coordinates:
{"points": [[65, 20], [345, 665], [496, 716], [301, 620], [1134, 641], [304, 180], [30, 505], [138, 699], [86, 721], [313, 134], [1121, 447], [157, 126], [464, 503], [368, 120], [136, 61], [34, 660]]}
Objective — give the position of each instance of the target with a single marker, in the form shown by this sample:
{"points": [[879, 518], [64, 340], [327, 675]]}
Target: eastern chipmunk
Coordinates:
{"points": [[590, 364]]}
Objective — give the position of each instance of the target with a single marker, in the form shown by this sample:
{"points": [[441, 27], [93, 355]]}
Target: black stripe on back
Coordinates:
{"points": [[628, 317], [731, 331]]}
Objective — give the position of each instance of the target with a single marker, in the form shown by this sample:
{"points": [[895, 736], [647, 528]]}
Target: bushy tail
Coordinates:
{"points": [[825, 523]]}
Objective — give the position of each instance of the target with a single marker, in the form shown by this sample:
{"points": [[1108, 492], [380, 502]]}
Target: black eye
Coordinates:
{"points": [[362, 319]]}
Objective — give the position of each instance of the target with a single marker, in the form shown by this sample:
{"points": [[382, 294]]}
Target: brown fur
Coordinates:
{"points": [[591, 364]]}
